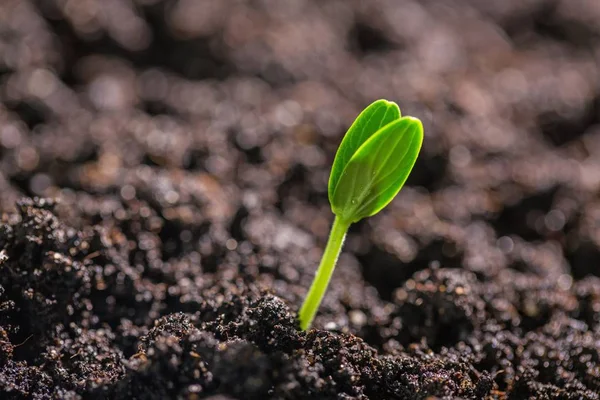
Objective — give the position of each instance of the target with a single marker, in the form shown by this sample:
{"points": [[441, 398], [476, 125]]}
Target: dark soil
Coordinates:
{"points": [[163, 182]]}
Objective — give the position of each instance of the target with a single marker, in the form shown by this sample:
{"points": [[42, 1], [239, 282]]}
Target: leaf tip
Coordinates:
{"points": [[392, 105], [416, 126]]}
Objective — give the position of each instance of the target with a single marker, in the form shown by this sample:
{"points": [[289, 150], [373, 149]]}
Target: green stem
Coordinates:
{"points": [[323, 275]]}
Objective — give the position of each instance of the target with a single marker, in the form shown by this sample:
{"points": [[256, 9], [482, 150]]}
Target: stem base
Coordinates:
{"points": [[323, 276]]}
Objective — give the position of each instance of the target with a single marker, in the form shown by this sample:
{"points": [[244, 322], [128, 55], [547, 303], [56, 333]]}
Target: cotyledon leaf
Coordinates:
{"points": [[378, 169], [370, 120]]}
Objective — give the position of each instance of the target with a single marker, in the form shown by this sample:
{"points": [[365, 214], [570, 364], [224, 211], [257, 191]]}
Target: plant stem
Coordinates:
{"points": [[323, 275]]}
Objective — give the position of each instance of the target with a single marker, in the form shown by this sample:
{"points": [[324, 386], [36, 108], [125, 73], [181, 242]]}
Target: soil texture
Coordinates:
{"points": [[163, 188]]}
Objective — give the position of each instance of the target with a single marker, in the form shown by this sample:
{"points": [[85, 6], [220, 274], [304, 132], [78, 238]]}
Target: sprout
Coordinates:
{"points": [[370, 167]]}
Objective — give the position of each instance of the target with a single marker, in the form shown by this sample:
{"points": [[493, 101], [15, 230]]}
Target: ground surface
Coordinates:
{"points": [[178, 153]]}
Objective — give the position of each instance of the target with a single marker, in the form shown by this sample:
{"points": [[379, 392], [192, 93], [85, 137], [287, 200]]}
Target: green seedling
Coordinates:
{"points": [[370, 167]]}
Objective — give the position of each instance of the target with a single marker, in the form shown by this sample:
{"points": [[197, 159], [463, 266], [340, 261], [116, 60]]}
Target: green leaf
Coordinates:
{"points": [[378, 169], [369, 121]]}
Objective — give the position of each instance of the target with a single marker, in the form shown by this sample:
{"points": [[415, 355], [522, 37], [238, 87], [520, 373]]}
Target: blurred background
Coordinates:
{"points": [[190, 141], [234, 108]]}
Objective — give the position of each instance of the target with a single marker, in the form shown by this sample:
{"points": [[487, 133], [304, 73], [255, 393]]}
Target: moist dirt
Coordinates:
{"points": [[163, 183]]}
